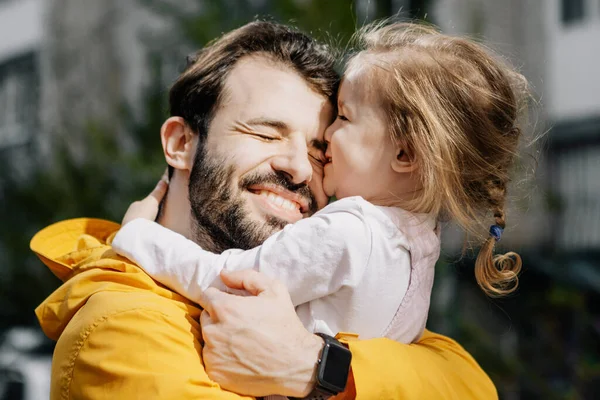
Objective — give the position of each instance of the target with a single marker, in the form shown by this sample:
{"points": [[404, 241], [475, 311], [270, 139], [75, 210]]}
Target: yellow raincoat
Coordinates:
{"points": [[121, 335]]}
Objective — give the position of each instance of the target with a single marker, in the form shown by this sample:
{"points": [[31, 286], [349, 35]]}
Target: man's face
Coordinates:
{"points": [[261, 165]]}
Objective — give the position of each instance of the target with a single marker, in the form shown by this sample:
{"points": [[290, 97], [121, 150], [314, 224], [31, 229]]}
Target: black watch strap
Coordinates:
{"points": [[333, 367], [316, 395]]}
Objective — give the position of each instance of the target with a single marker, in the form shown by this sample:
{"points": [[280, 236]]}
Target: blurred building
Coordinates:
{"points": [[556, 45], [96, 68], [67, 66], [543, 331], [573, 103], [21, 34]]}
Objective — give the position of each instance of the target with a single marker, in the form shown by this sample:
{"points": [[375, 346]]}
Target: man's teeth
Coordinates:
{"points": [[279, 201]]}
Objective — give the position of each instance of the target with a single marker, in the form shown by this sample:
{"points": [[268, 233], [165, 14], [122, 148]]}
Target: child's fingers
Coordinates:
{"points": [[147, 207], [165, 175], [159, 191]]}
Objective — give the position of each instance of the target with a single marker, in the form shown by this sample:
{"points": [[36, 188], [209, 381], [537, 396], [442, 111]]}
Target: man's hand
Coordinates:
{"points": [[147, 208], [256, 345]]}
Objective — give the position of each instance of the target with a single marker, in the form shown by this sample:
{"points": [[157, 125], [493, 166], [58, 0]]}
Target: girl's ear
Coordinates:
{"points": [[404, 162], [178, 142]]}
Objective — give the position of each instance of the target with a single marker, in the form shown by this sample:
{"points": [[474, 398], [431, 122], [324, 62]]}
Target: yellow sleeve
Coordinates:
{"points": [[132, 353], [436, 367]]}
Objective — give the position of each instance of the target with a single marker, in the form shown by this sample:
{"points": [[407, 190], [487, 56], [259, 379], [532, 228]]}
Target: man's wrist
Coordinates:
{"points": [[332, 369], [308, 359], [297, 377]]}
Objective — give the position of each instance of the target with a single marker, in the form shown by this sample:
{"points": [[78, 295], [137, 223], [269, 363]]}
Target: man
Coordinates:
{"points": [[243, 137]]}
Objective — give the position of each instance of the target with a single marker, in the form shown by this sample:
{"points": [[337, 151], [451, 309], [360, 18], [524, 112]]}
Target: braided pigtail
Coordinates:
{"points": [[497, 274]]}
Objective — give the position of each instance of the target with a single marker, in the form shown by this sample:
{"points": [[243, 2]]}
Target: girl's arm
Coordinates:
{"points": [[313, 257]]}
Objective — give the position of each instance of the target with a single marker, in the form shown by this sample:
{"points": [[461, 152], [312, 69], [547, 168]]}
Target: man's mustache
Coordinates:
{"points": [[281, 179]]}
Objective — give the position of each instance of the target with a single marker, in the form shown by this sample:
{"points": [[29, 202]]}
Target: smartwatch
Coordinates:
{"points": [[333, 368]]}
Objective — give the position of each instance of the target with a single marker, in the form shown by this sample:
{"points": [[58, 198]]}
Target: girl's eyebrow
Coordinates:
{"points": [[347, 110], [344, 105]]}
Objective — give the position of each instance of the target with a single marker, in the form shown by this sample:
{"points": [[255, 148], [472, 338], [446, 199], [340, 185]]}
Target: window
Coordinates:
{"points": [[19, 100], [572, 11], [579, 189]]}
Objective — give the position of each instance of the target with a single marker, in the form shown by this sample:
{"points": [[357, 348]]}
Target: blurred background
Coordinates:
{"points": [[83, 89]]}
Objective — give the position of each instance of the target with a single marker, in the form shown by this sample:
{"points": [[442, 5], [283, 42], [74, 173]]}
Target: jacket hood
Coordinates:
{"points": [[78, 252]]}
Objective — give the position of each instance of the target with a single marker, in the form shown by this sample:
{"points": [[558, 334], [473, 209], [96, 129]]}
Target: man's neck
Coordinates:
{"points": [[175, 210], [172, 217], [203, 238]]}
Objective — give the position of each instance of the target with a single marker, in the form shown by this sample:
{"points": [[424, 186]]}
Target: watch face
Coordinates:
{"points": [[336, 367]]}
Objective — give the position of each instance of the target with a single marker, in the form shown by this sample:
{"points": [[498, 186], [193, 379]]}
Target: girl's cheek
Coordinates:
{"points": [[316, 187]]}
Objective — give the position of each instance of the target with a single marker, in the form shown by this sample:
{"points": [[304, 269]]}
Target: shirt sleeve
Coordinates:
{"points": [[436, 367], [313, 257]]}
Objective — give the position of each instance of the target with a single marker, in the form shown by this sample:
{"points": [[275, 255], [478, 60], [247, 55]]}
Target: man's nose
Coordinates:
{"points": [[293, 161]]}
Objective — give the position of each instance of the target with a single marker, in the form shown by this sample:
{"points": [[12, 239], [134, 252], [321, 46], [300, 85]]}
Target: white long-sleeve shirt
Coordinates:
{"points": [[348, 268]]}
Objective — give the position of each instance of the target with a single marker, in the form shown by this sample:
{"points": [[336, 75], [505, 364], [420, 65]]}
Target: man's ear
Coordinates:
{"points": [[178, 142], [404, 162]]}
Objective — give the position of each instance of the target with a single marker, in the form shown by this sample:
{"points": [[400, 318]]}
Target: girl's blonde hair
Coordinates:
{"points": [[455, 107]]}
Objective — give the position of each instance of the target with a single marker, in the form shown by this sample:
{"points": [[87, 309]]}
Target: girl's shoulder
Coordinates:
{"points": [[359, 206], [369, 214], [354, 204]]}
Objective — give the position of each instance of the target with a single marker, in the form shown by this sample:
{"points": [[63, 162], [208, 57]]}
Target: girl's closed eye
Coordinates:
{"points": [[319, 158], [342, 117]]}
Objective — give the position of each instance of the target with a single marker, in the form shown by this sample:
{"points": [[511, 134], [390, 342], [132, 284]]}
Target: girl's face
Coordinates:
{"points": [[360, 150]]}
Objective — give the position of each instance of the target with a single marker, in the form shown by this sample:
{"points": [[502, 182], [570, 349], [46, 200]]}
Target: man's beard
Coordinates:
{"points": [[220, 219]]}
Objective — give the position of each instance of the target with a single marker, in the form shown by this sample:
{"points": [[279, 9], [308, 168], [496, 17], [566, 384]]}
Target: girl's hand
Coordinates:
{"points": [[147, 208]]}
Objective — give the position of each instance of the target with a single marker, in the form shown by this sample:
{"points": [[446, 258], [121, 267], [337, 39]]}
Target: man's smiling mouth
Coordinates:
{"points": [[281, 202]]}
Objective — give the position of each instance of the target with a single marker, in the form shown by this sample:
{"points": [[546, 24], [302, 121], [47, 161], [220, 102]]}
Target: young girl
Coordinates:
{"points": [[426, 130]]}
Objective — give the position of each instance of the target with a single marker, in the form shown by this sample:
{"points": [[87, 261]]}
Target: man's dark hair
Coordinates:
{"points": [[197, 92]]}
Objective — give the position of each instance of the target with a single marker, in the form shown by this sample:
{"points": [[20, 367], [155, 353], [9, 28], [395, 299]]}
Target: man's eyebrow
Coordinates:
{"points": [[271, 123], [320, 145]]}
